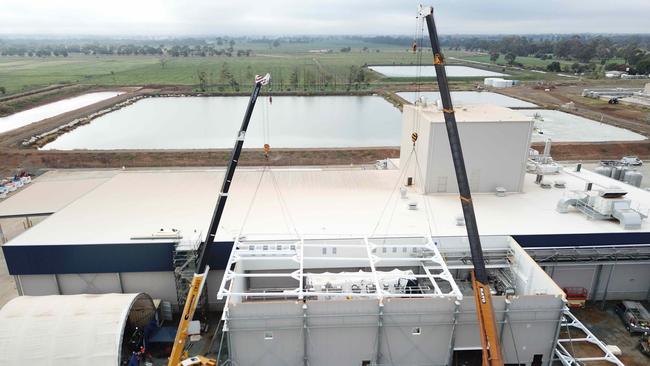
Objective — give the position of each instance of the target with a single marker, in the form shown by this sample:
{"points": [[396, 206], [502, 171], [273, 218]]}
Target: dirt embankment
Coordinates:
{"points": [[34, 159], [14, 138]]}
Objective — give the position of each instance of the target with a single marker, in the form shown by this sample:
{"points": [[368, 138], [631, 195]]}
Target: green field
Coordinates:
{"points": [[322, 71], [527, 61], [24, 73]]}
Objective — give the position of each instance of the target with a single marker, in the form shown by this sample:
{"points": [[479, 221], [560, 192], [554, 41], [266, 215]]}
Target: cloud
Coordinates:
{"points": [[280, 17]]}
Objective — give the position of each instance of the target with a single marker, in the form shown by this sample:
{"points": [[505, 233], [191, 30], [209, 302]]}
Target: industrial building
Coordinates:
{"points": [[357, 232], [397, 301]]}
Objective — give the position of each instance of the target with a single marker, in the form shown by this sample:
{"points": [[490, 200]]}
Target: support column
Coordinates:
{"points": [[506, 319], [609, 278], [58, 285], [119, 280], [305, 334], [594, 288], [452, 338], [380, 324]]}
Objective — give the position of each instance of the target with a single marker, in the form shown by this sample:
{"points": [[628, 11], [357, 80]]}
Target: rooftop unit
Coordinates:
{"points": [[380, 300], [605, 204]]}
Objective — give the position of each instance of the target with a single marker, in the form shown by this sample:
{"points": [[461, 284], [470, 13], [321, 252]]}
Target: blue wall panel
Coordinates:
{"points": [[574, 240], [100, 258]]}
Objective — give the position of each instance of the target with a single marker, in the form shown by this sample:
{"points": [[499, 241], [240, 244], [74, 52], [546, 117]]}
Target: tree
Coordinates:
{"points": [[346, 49], [293, 78], [510, 58], [494, 56], [276, 43], [3, 91], [203, 80], [554, 67], [642, 67], [632, 54], [163, 62]]}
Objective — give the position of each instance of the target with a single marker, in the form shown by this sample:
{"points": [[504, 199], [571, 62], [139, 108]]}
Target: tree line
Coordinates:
{"points": [[218, 47]]}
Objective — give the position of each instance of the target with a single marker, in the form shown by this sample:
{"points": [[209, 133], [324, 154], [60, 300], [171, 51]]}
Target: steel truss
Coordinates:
{"points": [[562, 354]]}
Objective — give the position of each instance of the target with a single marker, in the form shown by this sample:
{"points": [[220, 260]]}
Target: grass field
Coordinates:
{"points": [[24, 73], [526, 61]]}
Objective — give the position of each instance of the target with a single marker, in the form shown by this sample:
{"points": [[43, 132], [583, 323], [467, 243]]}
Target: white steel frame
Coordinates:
{"points": [[567, 359], [241, 253]]}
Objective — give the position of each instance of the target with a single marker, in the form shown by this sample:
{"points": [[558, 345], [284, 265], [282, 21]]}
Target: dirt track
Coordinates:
{"points": [[33, 159]]}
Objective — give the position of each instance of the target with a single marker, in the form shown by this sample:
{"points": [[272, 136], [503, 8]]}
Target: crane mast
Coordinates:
{"points": [[204, 254], [198, 281], [485, 312]]}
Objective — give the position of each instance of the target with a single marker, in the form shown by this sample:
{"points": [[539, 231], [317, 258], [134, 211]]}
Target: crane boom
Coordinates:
{"points": [[230, 172], [485, 312], [186, 317]]}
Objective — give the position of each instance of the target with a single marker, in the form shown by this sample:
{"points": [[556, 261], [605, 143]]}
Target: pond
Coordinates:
{"points": [[36, 114], [562, 126], [213, 122], [453, 71], [471, 97]]}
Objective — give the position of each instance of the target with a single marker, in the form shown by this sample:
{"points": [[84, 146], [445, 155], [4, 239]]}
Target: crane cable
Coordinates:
{"points": [[266, 136], [419, 35]]}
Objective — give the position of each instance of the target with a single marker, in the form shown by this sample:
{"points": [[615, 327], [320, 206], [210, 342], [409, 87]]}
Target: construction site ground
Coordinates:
{"points": [[607, 326]]}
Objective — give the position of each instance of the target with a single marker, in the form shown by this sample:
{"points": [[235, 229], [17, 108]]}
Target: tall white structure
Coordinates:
{"points": [[495, 143]]}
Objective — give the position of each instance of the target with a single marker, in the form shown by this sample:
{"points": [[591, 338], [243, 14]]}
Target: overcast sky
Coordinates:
{"points": [[284, 17]]}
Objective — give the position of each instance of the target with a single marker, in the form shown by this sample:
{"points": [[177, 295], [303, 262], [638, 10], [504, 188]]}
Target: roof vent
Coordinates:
{"points": [[559, 184], [413, 205], [545, 184], [501, 191], [613, 192], [460, 220], [402, 192]]}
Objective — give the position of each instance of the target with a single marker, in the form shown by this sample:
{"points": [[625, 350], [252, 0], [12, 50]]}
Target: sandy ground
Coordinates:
{"points": [[608, 327]]}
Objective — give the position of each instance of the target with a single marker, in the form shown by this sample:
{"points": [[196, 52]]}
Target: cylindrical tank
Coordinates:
{"points": [[604, 170], [500, 83], [624, 171], [616, 172], [633, 177]]}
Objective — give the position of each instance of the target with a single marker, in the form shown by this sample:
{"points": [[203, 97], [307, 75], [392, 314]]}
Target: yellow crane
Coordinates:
{"points": [[196, 288]]}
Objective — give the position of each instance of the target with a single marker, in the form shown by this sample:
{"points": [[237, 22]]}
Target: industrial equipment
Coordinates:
{"points": [[635, 316], [576, 296], [201, 274], [480, 283], [644, 344]]}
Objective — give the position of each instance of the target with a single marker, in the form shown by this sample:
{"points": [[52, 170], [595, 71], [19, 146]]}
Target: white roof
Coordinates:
{"points": [[311, 201], [474, 113], [64, 330], [52, 191]]}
